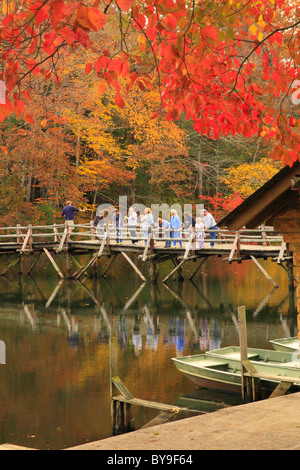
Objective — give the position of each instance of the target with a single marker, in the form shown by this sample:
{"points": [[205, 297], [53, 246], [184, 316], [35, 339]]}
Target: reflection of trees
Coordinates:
{"points": [[48, 380]]}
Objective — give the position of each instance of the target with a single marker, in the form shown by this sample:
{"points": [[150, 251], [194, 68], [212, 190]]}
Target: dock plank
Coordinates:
{"points": [[148, 404]]}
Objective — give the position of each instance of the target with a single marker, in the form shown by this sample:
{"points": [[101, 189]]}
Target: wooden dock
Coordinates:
{"points": [[122, 421], [52, 240]]}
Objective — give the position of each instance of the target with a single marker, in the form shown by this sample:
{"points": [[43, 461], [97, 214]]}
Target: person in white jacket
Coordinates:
{"points": [[146, 222], [199, 230], [132, 223]]}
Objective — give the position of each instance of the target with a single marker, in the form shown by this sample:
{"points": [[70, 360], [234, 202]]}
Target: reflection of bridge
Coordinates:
{"points": [[123, 321], [150, 247]]}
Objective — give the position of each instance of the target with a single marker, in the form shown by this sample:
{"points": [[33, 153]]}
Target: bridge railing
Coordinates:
{"points": [[223, 236], [25, 236]]}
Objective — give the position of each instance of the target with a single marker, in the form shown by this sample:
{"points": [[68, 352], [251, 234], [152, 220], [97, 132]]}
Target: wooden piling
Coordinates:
{"points": [[34, 263], [203, 260], [177, 269], [68, 264], [263, 271], [154, 271], [84, 268], [120, 410], [57, 269], [112, 259], [12, 264], [54, 293], [134, 266], [21, 264], [250, 385]]}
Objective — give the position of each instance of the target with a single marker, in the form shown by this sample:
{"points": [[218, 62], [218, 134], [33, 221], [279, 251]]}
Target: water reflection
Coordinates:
{"points": [[57, 336]]}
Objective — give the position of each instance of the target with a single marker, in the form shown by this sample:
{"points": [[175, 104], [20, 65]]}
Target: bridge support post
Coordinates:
{"points": [[154, 271], [177, 269], [263, 270], [199, 266]]}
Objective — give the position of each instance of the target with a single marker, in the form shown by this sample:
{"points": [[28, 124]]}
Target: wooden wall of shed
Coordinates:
{"points": [[296, 271], [288, 220], [285, 222]]}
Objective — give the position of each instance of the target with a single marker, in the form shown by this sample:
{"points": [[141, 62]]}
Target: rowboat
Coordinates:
{"points": [[286, 344], [210, 372], [255, 355], [221, 373], [192, 402], [207, 400]]}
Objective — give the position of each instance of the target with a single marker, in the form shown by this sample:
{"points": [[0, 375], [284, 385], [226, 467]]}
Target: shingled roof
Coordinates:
{"points": [[265, 203]]}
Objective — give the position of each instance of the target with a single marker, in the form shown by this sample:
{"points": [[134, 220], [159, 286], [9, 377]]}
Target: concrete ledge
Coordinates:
{"points": [[13, 447], [272, 424]]}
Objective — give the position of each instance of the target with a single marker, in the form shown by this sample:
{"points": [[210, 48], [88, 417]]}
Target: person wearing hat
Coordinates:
{"points": [[210, 224]]}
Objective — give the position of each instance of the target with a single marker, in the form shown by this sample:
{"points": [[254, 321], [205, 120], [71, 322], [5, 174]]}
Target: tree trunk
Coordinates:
{"points": [[94, 203], [78, 141], [132, 196], [200, 173], [28, 196]]}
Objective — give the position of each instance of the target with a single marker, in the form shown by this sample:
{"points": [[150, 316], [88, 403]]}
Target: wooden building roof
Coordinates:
{"points": [[267, 202]]}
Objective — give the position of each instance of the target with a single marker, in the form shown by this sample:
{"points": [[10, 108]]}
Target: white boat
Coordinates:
{"points": [[258, 356], [224, 373], [286, 344]]}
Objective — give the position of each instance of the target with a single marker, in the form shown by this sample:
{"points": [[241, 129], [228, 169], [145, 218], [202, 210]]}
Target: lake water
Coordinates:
{"points": [[54, 388]]}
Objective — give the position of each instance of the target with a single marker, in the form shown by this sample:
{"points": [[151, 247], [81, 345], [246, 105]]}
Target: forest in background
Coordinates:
{"points": [[77, 140], [82, 147]]}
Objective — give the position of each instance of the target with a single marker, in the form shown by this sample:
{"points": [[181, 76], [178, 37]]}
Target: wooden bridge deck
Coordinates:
{"points": [[92, 245], [220, 248]]}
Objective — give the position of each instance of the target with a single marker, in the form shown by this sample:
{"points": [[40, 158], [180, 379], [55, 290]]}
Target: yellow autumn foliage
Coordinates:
{"points": [[129, 133], [247, 178]]}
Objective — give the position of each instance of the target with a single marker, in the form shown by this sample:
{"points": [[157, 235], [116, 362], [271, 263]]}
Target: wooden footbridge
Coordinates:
{"points": [[97, 243]]}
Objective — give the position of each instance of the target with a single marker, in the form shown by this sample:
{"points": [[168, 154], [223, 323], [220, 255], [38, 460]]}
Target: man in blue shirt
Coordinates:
{"points": [[68, 213]]}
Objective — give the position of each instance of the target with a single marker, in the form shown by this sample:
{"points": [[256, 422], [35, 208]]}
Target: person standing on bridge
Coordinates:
{"points": [[132, 223], [210, 224], [199, 229], [118, 223], [176, 227], [98, 223], [69, 213], [147, 222], [163, 226]]}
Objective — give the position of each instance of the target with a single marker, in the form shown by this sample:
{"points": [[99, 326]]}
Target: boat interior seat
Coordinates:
{"points": [[291, 364], [254, 357], [237, 356], [217, 366]]}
